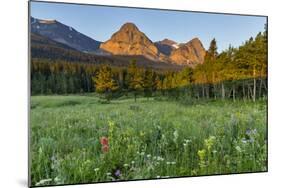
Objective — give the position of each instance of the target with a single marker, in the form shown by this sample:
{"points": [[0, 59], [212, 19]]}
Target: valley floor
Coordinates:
{"points": [[147, 139]]}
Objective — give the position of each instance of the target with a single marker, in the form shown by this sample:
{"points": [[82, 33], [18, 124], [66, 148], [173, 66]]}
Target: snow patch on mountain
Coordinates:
{"points": [[175, 46]]}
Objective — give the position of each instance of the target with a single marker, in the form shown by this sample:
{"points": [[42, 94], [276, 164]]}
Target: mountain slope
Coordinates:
{"points": [[39, 40], [166, 46], [129, 40], [190, 53], [44, 48], [61, 33]]}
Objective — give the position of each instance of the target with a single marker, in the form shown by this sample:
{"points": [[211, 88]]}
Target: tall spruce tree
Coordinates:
{"points": [[135, 79]]}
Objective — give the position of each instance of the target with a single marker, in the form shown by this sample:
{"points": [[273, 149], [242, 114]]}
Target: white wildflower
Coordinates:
{"points": [[43, 182], [238, 149], [96, 169], [176, 135]]}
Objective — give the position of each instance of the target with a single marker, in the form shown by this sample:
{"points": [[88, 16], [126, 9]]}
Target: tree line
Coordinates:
{"points": [[234, 73]]}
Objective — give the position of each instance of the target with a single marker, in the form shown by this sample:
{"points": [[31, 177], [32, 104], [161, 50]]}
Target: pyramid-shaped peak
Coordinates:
{"points": [[129, 26], [196, 39]]}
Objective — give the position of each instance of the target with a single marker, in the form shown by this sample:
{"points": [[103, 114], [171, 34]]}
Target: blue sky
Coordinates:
{"points": [[100, 22]]}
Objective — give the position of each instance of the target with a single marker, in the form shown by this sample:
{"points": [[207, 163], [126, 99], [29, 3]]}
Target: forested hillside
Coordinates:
{"points": [[234, 73]]}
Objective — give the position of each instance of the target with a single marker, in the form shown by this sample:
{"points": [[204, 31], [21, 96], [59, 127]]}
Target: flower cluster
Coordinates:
{"points": [[104, 143]]}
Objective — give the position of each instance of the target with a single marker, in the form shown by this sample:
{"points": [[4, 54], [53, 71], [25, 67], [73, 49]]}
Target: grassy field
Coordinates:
{"points": [[146, 139]]}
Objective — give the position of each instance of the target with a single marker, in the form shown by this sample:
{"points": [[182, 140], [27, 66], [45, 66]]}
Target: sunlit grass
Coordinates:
{"points": [[146, 139]]}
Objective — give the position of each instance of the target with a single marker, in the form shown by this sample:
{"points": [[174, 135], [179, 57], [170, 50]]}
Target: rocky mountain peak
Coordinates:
{"points": [[129, 40], [129, 27], [190, 53]]}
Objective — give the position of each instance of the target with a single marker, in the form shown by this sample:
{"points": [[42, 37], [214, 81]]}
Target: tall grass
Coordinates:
{"points": [[147, 139]]}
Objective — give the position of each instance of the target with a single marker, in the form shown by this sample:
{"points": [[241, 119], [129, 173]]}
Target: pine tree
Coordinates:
{"points": [[135, 79], [148, 82], [104, 82]]}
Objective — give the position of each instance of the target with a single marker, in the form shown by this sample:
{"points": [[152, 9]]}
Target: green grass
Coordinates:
{"points": [[147, 139]]}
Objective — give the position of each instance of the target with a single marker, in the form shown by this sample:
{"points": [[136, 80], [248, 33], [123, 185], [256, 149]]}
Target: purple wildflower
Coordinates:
{"points": [[117, 173]]}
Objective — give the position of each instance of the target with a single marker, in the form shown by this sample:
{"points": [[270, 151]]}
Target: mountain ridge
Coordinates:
{"points": [[62, 33], [127, 41]]}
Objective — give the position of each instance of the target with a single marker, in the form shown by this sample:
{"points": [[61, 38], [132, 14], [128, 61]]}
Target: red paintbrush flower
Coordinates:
{"points": [[105, 148], [104, 141]]}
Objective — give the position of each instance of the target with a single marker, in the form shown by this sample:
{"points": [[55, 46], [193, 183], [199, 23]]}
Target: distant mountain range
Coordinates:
{"points": [[64, 34], [127, 43]]}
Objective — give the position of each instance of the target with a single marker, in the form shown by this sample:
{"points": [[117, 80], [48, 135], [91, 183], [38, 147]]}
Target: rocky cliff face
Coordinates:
{"points": [[190, 53], [166, 46], [129, 40]]}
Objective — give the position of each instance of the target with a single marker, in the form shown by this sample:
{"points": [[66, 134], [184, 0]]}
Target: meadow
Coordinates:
{"points": [[79, 139]]}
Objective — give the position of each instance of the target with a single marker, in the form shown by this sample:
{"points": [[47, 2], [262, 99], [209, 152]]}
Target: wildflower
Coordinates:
{"points": [[57, 179], [133, 162], [104, 141], [105, 148], [108, 173], [110, 123], [159, 158], [96, 169], [148, 155], [43, 182], [158, 176], [126, 165], [187, 141], [243, 140], [117, 173], [176, 135], [238, 149], [210, 142], [173, 163], [53, 158], [142, 153], [168, 163], [201, 154]]}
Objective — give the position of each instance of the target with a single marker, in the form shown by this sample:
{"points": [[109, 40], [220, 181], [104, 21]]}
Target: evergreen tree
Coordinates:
{"points": [[104, 82], [148, 82], [135, 79]]}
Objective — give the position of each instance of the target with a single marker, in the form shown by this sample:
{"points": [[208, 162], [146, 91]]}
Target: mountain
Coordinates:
{"points": [[64, 34], [45, 48], [129, 40], [39, 40], [166, 46], [190, 53], [52, 37]]}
